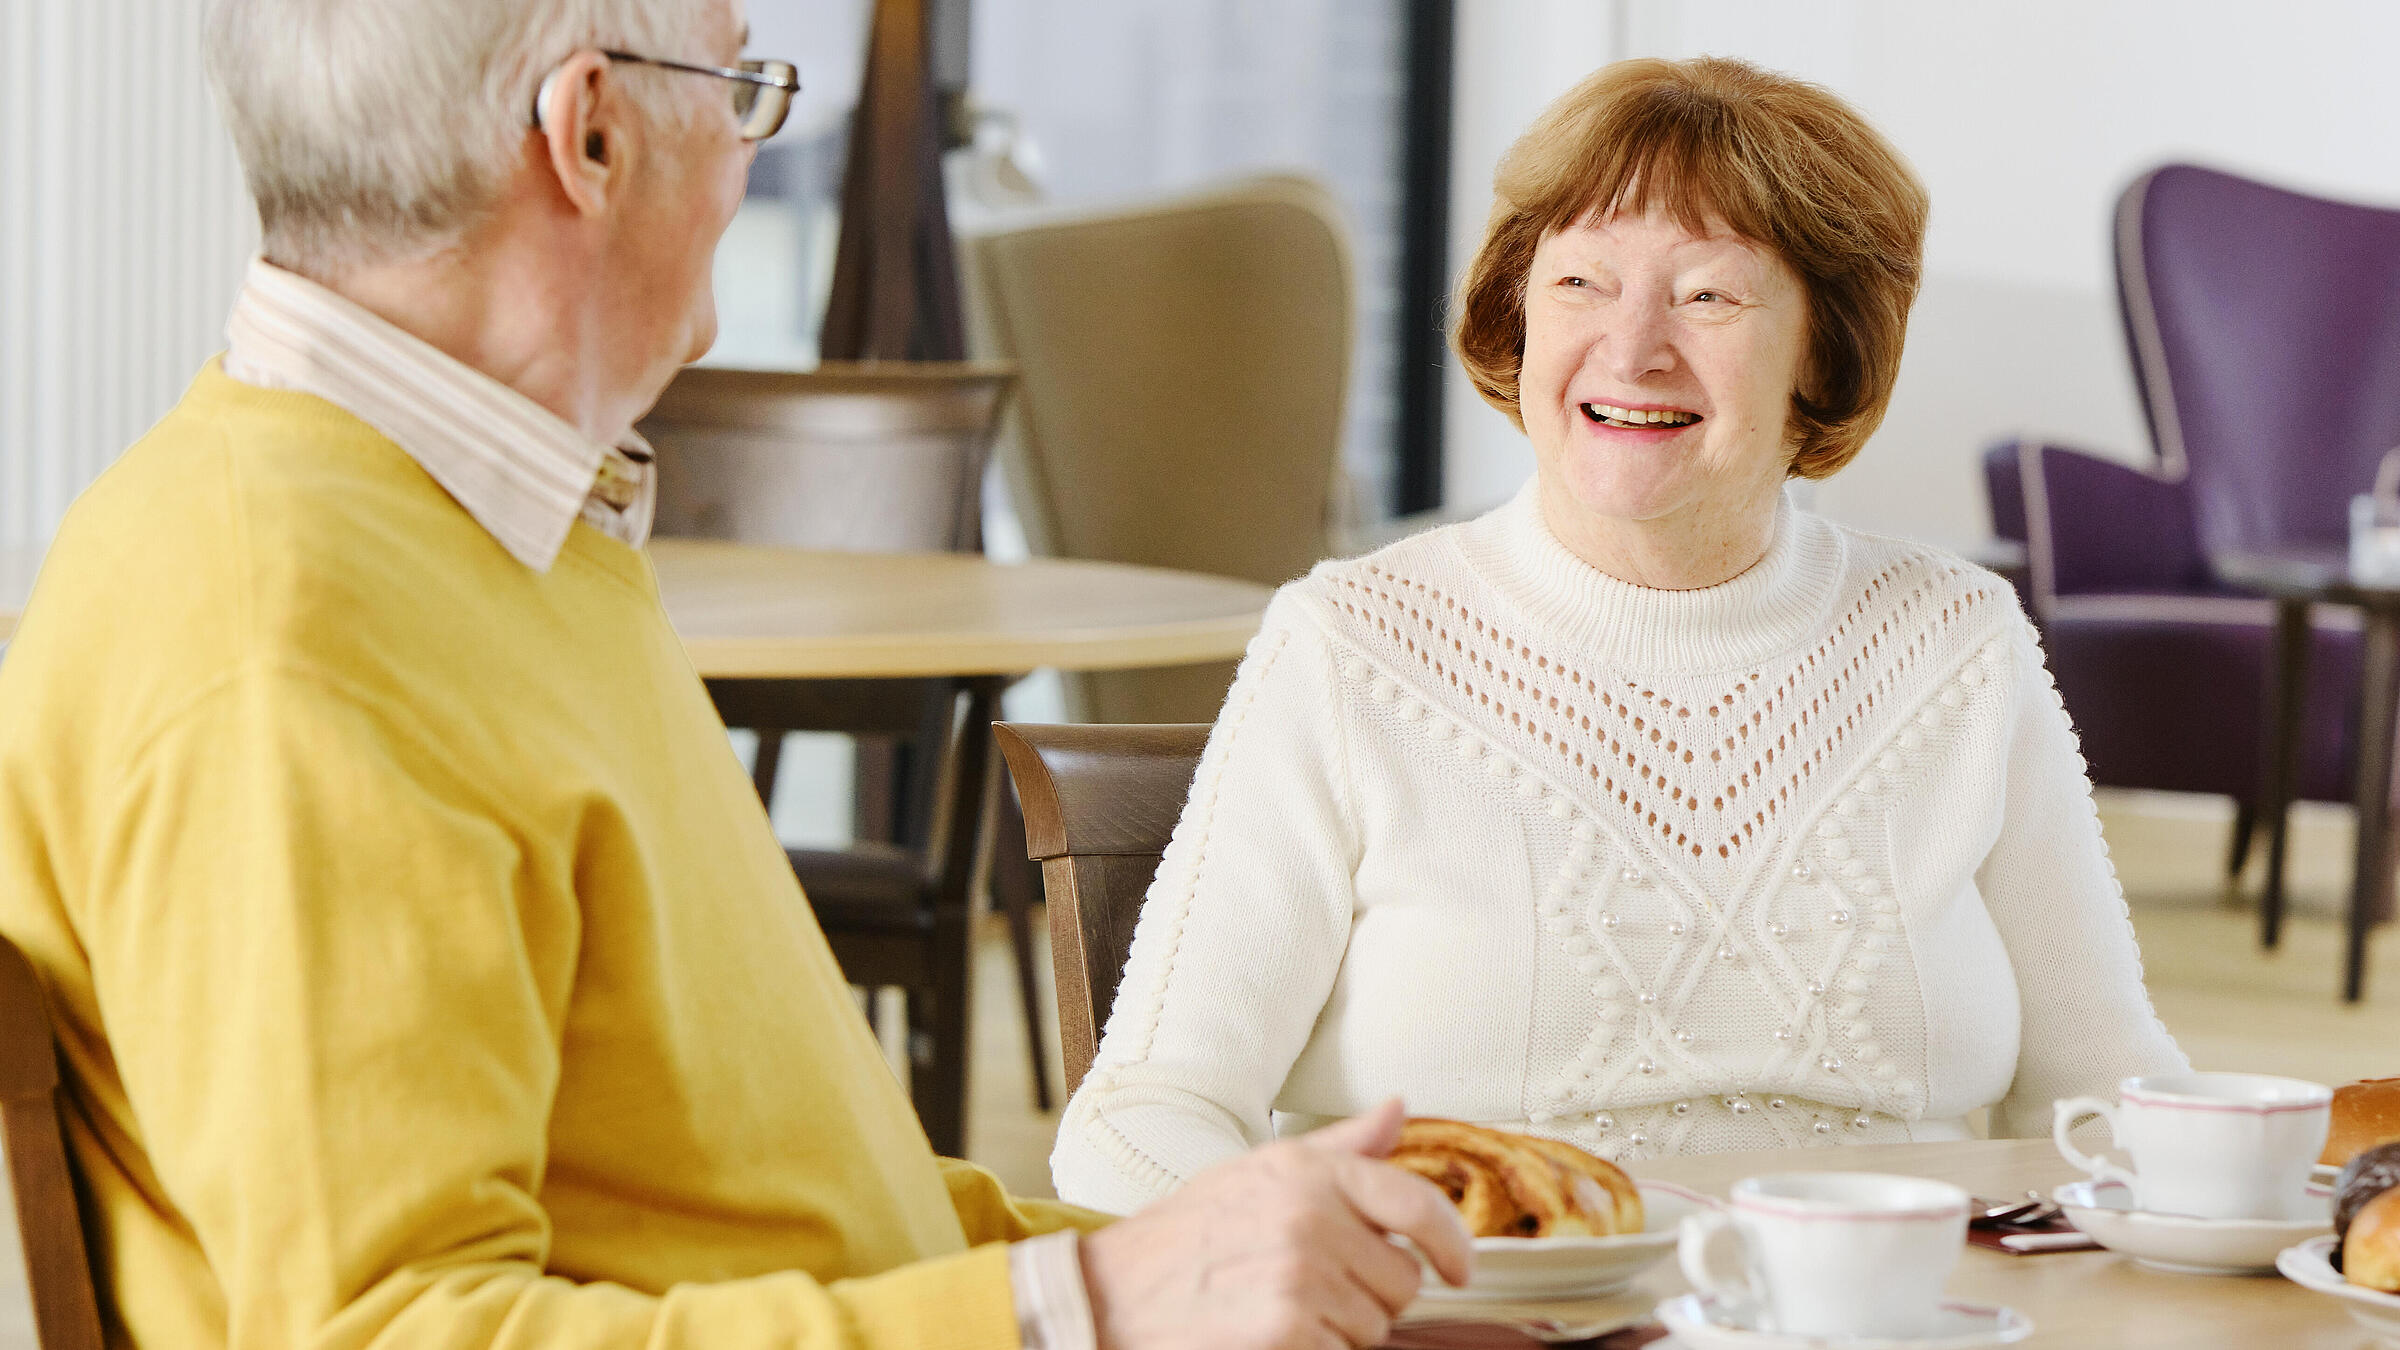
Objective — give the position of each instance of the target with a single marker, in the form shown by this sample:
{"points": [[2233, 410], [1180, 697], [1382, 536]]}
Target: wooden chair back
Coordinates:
{"points": [[1100, 804], [66, 1306], [869, 458]]}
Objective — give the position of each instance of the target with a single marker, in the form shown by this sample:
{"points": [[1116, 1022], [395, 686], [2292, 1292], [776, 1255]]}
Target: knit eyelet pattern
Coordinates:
{"points": [[1719, 839], [1707, 769]]}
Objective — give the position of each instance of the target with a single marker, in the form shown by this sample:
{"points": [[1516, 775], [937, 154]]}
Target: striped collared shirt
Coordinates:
{"points": [[520, 470]]}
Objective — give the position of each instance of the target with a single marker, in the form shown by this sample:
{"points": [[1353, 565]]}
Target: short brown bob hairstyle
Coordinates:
{"points": [[1718, 143]]}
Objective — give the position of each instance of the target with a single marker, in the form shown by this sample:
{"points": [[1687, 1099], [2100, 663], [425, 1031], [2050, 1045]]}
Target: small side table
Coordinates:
{"points": [[2296, 578]]}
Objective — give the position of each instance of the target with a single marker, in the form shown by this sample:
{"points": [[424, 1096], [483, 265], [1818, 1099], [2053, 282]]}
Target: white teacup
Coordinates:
{"points": [[2210, 1145], [1828, 1253]]}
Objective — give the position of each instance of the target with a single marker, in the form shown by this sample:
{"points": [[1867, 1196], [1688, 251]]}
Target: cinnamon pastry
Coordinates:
{"points": [[1607, 1199], [1514, 1185]]}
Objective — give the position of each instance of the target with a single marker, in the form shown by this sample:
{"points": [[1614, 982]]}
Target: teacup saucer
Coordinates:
{"points": [[1957, 1326], [2179, 1242], [2310, 1266]]}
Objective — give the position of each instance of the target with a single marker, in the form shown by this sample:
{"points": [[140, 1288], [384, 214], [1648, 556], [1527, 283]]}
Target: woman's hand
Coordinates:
{"points": [[1282, 1248]]}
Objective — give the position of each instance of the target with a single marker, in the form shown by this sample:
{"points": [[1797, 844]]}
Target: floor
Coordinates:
{"points": [[2231, 1005]]}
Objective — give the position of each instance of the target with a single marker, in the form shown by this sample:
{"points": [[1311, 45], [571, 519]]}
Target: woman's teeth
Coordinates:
{"points": [[1636, 417]]}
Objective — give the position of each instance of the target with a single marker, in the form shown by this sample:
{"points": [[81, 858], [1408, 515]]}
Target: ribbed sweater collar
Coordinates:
{"points": [[1777, 604]]}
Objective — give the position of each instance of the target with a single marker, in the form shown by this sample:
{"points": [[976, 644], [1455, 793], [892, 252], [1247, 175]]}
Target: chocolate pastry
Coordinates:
{"points": [[2366, 1219], [2366, 1176]]}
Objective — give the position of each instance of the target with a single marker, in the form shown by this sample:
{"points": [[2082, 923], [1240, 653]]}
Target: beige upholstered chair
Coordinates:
{"points": [[1181, 372]]}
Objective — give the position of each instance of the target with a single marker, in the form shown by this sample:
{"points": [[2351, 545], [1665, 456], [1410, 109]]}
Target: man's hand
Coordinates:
{"points": [[1280, 1249]]}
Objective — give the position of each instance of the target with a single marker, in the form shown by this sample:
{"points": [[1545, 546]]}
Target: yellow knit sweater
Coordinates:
{"points": [[426, 972]]}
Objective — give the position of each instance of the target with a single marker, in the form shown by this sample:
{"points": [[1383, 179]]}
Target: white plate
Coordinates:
{"points": [[2179, 1242], [1533, 1269], [2310, 1265], [1958, 1326]]}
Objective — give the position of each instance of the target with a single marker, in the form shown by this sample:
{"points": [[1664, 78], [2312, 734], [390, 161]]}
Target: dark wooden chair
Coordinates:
{"points": [[66, 1306], [1100, 805], [867, 458]]}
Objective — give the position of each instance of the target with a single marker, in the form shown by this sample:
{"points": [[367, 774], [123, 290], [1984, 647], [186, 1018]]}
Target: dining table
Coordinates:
{"points": [[747, 611], [2093, 1298], [2298, 577]]}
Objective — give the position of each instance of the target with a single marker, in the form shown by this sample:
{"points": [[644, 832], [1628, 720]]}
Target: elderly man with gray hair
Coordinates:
{"points": [[425, 970]]}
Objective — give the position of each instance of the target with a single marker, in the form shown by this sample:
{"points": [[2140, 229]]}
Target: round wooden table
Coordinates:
{"points": [[2083, 1298], [776, 631], [747, 612]]}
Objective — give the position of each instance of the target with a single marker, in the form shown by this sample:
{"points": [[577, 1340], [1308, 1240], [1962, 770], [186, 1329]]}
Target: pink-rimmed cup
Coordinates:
{"points": [[2208, 1145], [1828, 1253]]}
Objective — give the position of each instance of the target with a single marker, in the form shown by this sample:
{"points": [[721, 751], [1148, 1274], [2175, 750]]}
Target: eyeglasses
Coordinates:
{"points": [[762, 90]]}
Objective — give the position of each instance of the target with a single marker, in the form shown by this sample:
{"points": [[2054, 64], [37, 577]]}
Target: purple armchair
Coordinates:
{"points": [[2265, 332], [2164, 671]]}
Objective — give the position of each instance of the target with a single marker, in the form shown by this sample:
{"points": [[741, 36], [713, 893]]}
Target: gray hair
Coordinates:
{"points": [[376, 129]]}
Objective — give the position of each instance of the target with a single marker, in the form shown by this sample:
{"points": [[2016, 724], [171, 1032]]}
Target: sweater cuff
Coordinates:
{"points": [[960, 1302], [1054, 1312]]}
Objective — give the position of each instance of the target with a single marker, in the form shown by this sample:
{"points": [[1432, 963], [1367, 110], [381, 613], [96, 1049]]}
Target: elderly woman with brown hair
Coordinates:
{"points": [[1647, 811]]}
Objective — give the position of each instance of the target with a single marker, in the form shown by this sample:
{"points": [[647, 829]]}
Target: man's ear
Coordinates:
{"points": [[583, 131]]}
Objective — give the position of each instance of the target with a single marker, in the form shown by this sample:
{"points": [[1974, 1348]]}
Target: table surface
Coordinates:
{"points": [[2302, 572], [751, 612], [2090, 1298]]}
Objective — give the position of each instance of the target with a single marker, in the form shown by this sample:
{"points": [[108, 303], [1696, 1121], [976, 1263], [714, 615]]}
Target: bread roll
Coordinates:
{"points": [[2365, 1114], [1514, 1185], [2371, 1249]]}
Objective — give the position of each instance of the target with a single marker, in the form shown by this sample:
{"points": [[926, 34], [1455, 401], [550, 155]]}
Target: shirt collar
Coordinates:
{"points": [[525, 474]]}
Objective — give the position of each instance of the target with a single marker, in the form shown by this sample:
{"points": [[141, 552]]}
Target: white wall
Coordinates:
{"points": [[2025, 119]]}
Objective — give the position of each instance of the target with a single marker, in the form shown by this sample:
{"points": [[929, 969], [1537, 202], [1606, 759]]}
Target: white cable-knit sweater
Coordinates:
{"points": [[1806, 857]]}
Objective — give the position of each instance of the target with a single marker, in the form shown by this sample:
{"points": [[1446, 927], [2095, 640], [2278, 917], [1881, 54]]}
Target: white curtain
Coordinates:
{"points": [[123, 230]]}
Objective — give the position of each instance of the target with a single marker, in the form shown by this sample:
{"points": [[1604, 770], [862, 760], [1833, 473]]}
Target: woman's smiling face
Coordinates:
{"points": [[1658, 373]]}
